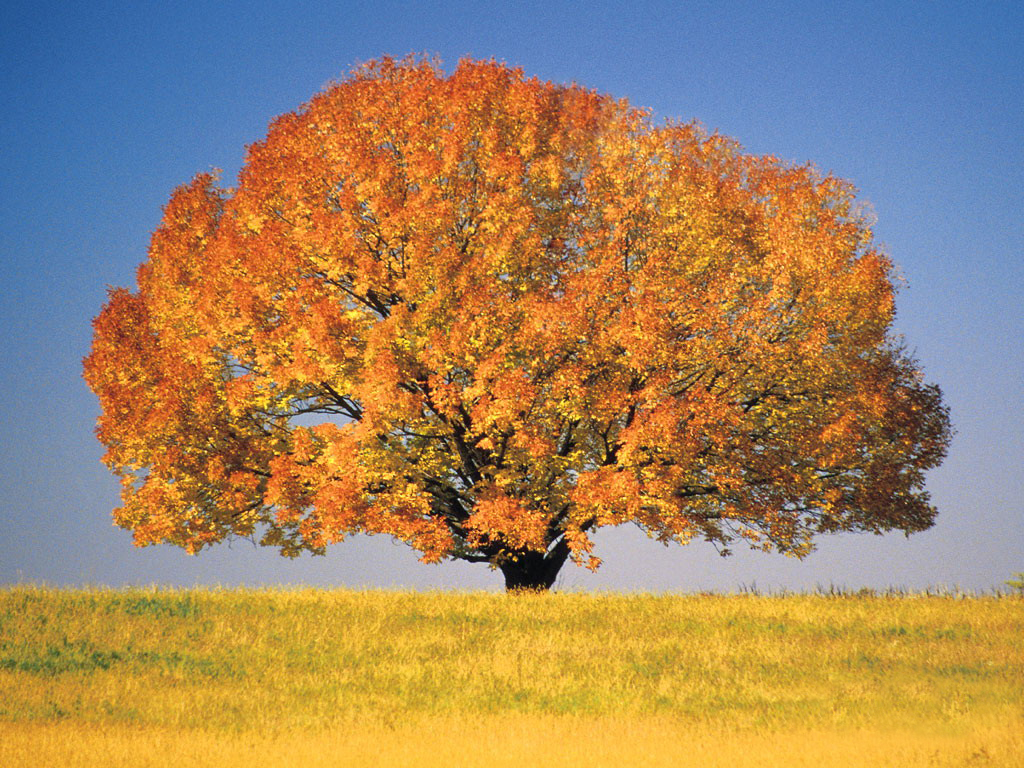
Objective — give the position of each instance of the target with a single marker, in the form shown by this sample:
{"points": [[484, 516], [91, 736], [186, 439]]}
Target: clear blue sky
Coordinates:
{"points": [[107, 106]]}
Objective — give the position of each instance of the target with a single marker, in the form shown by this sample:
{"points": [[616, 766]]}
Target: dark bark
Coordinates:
{"points": [[534, 571]]}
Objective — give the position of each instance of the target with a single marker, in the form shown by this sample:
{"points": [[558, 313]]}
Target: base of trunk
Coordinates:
{"points": [[533, 571]]}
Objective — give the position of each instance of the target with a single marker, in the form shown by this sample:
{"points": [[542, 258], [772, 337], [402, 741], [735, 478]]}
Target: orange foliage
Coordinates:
{"points": [[485, 314]]}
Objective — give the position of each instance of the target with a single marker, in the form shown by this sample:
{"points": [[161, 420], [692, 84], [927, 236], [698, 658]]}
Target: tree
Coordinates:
{"points": [[487, 315]]}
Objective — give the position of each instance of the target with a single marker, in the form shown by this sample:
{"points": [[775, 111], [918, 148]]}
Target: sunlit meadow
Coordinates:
{"points": [[316, 678]]}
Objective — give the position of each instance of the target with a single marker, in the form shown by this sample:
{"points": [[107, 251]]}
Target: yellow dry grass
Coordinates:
{"points": [[330, 678], [502, 741]]}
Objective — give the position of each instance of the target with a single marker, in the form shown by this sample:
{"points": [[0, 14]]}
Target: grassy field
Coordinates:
{"points": [[322, 678]]}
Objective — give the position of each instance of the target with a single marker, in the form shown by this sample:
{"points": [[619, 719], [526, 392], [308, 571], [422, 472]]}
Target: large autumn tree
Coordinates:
{"points": [[487, 315]]}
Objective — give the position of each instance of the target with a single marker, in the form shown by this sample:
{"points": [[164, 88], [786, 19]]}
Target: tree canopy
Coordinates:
{"points": [[487, 315]]}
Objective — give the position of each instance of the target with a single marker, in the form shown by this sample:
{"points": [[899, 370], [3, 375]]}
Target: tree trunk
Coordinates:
{"points": [[534, 571]]}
